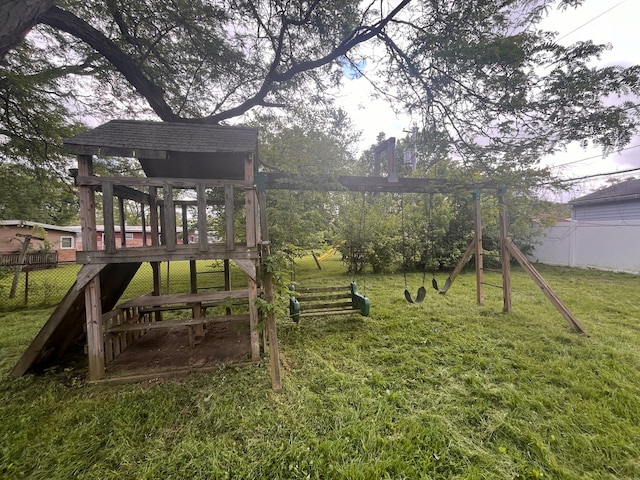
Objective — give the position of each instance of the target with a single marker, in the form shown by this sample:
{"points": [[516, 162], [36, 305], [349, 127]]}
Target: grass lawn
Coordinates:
{"points": [[442, 390]]}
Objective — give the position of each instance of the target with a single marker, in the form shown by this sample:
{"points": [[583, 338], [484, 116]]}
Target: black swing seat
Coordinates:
{"points": [[443, 290], [326, 301], [420, 296]]}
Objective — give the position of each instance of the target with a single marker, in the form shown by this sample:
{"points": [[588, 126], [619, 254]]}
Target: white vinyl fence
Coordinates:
{"points": [[604, 245]]}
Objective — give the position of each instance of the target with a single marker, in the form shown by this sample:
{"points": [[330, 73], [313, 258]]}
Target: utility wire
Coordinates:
{"points": [[588, 22]]}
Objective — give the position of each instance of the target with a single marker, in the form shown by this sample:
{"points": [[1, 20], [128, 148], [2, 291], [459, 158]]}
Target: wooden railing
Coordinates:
{"points": [[33, 260]]}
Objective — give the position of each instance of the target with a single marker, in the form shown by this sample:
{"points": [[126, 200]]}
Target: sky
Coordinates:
{"points": [[613, 22]]}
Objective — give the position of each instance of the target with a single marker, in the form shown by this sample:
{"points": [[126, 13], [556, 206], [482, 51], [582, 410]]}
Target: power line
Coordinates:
{"points": [[592, 158], [588, 22], [594, 175]]}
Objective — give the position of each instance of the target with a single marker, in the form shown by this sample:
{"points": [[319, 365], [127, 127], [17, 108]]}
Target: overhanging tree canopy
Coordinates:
{"points": [[489, 85]]}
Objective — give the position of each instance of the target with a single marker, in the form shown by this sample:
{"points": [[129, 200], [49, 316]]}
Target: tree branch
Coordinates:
{"points": [[127, 66]]}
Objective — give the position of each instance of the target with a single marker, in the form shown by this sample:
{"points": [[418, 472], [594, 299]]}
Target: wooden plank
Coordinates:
{"points": [[331, 313], [160, 254], [477, 223], [87, 273], [16, 275], [167, 324], [169, 229], [505, 257], [87, 206], [143, 223], [64, 328], [247, 266], [186, 183], [319, 298], [254, 319], [203, 237], [229, 217], [108, 221], [95, 336], [123, 223], [544, 286], [322, 289], [271, 330], [160, 300]]}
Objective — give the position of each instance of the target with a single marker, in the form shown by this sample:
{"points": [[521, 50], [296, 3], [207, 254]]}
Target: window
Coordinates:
{"points": [[66, 242], [128, 235]]}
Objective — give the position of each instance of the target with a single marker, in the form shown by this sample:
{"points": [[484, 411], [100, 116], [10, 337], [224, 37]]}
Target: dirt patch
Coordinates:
{"points": [[166, 350]]}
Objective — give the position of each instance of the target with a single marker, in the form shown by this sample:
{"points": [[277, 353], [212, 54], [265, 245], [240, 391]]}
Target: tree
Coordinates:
{"points": [[489, 87]]}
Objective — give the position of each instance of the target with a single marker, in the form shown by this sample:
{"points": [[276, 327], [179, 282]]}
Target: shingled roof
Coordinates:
{"points": [[627, 190], [142, 139], [176, 150]]}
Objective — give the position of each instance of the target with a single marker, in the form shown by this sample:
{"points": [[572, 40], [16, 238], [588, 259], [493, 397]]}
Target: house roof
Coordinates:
{"points": [[627, 190], [45, 226], [172, 150]]}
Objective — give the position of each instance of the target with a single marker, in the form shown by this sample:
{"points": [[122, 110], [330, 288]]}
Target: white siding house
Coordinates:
{"points": [[603, 233]]}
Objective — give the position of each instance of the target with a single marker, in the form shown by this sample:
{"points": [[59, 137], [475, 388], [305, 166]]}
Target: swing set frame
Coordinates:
{"points": [[391, 183]]}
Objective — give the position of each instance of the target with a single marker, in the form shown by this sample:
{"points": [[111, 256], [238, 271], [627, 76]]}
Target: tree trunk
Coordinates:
{"points": [[17, 17]]}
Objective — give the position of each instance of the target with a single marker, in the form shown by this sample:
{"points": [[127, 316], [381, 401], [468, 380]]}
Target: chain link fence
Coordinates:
{"points": [[22, 287]]}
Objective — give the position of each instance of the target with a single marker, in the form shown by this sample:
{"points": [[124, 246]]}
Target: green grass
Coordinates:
{"points": [[447, 389]]}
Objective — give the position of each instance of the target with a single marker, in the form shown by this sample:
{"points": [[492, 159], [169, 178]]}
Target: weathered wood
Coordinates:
{"points": [[123, 223], [505, 257], [107, 214], [544, 286], [169, 218], [203, 236], [271, 330], [253, 320], [247, 266], [477, 224], [16, 275], [322, 289], [279, 181], [64, 328], [167, 324], [186, 183], [165, 300], [321, 298], [160, 254], [95, 338], [229, 217]]}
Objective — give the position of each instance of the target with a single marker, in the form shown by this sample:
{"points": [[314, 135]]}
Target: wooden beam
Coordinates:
{"points": [[544, 286], [477, 224], [505, 257], [169, 217], [203, 227], [160, 254], [109, 239], [191, 183], [229, 216]]}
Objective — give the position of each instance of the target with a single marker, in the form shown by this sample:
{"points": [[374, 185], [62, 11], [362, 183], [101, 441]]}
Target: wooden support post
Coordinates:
{"points": [[143, 222], [20, 266], [253, 319], [505, 257], [228, 217], [203, 237], [93, 304], [193, 281], [155, 240], [123, 223], [95, 335], [478, 247], [270, 327], [109, 239], [153, 216], [544, 286], [169, 218]]}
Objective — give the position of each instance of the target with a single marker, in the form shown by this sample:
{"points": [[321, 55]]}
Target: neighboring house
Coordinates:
{"points": [[617, 202], [603, 233], [61, 241], [133, 236]]}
